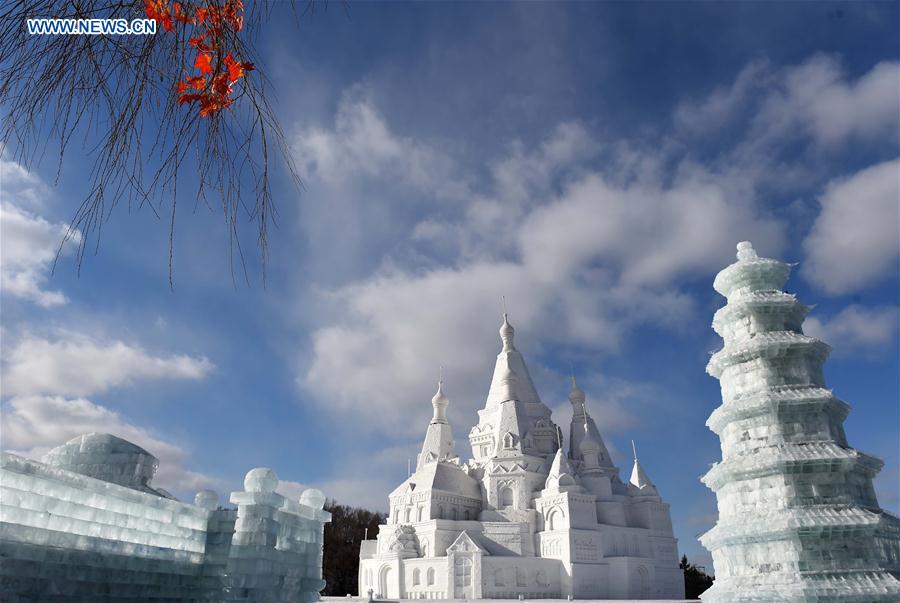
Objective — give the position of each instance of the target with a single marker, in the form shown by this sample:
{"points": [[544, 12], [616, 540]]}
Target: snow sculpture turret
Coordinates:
{"points": [[798, 517], [583, 426], [438, 444]]}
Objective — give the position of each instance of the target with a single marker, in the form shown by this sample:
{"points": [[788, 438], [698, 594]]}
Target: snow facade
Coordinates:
{"points": [[523, 517]]}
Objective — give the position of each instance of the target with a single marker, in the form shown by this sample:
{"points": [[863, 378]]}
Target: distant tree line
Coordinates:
{"points": [[340, 567], [696, 581]]}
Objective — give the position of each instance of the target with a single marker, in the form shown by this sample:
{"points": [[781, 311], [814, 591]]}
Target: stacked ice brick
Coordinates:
{"points": [[87, 525], [276, 552], [798, 517]]}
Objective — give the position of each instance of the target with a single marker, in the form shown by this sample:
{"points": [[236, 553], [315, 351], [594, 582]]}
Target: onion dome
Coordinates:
{"points": [[440, 401], [576, 395], [507, 332]]}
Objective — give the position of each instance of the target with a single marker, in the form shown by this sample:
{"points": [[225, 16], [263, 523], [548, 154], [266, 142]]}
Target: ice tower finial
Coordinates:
{"points": [[745, 251]]}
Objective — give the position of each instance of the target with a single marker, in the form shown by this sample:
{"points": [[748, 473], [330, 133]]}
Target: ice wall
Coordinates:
{"points": [[798, 516], [65, 536]]}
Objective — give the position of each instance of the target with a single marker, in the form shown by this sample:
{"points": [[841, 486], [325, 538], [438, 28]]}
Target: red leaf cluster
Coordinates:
{"points": [[212, 90]]}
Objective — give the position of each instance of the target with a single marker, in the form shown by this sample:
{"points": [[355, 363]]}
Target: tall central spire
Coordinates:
{"points": [[512, 408], [510, 360]]}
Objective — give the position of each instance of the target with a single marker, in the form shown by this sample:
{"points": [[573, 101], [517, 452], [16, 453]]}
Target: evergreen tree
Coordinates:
{"points": [[696, 581], [340, 567]]}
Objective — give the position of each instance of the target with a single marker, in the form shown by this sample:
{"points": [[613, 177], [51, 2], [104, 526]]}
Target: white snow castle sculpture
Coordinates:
{"points": [[798, 518], [521, 519]]}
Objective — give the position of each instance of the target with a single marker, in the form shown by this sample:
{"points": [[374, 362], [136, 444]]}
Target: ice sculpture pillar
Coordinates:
{"points": [[798, 517], [276, 550]]}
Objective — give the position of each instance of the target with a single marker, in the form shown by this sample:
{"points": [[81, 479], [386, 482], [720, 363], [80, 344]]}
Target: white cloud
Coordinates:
{"points": [[724, 104], [855, 241], [834, 110], [32, 425], [362, 145], [587, 238], [815, 99], [46, 380], [77, 365], [856, 328], [28, 245], [581, 254]]}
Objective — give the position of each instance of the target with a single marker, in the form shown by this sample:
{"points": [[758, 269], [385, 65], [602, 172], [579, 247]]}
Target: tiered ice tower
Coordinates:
{"points": [[798, 518]]}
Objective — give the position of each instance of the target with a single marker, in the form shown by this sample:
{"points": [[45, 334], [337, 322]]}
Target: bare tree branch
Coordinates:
{"points": [[120, 91]]}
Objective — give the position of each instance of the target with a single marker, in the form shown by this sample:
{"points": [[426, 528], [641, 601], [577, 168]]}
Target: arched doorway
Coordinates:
{"points": [[643, 585], [387, 584]]}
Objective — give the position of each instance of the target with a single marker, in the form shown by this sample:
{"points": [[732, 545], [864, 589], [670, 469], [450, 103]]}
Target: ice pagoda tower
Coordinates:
{"points": [[798, 517]]}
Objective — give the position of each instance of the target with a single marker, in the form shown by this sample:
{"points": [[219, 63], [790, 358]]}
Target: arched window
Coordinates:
{"points": [[421, 513], [466, 515], [441, 512], [424, 545], [453, 514], [506, 497], [553, 519], [417, 577], [508, 441], [408, 514], [429, 576]]}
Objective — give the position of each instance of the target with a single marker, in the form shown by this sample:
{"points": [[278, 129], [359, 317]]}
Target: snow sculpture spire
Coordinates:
{"points": [[438, 444], [639, 477], [798, 516], [585, 442]]}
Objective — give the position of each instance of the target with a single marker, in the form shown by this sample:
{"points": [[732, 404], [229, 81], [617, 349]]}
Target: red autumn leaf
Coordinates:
{"points": [[200, 16], [182, 86], [197, 83], [220, 85], [248, 66], [179, 13], [235, 68], [203, 62], [155, 9], [190, 98]]}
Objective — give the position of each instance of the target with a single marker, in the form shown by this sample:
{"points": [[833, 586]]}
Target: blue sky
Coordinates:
{"points": [[594, 163]]}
